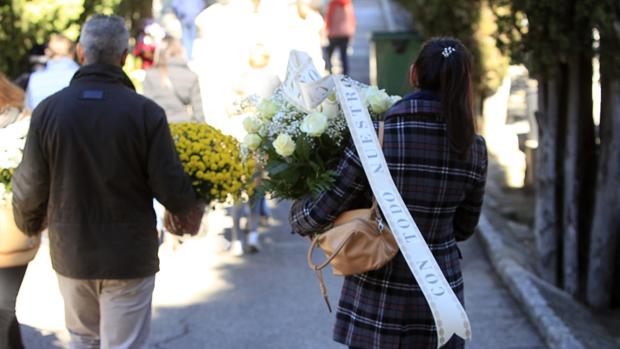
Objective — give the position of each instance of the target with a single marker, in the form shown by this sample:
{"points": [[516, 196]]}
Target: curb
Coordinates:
{"points": [[525, 288]]}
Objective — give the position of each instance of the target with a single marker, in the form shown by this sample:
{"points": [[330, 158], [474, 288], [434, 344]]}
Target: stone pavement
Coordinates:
{"points": [[205, 298]]}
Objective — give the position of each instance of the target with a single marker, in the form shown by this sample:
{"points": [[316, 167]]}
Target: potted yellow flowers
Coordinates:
{"points": [[213, 162]]}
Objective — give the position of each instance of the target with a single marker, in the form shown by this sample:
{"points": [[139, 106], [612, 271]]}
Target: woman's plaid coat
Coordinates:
{"points": [[385, 308]]}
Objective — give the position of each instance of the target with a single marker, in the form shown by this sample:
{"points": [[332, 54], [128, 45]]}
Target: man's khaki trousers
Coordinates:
{"points": [[107, 313]]}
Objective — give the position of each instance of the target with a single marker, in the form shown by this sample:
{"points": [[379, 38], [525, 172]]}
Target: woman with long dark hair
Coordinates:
{"points": [[439, 166]]}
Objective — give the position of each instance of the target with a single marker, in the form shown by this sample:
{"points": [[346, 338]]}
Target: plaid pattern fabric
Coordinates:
{"points": [[386, 308]]}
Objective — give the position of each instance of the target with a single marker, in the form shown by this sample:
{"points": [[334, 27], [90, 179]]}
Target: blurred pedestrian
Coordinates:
{"points": [[385, 308], [146, 43], [258, 80], [173, 85], [187, 11], [17, 250], [307, 32], [57, 73], [96, 155], [37, 60], [340, 26], [250, 210]]}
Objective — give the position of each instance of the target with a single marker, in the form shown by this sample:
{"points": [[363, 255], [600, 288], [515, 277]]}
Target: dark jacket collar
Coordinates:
{"points": [[429, 95], [103, 72], [419, 102]]}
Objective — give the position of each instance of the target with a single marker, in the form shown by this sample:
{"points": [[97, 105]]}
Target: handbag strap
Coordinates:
{"points": [[318, 268], [319, 275], [315, 243]]}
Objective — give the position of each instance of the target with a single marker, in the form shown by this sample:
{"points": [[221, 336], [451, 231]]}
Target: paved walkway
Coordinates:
{"points": [[205, 298]]}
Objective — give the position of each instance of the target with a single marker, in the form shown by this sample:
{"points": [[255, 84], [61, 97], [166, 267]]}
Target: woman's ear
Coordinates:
{"points": [[413, 76]]}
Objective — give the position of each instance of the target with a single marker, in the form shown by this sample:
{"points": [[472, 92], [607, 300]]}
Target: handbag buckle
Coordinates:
{"points": [[380, 224]]}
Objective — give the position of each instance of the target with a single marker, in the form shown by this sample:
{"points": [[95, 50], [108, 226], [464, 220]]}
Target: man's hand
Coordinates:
{"points": [[187, 222]]}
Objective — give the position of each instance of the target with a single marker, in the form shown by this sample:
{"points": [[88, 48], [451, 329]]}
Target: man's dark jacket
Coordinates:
{"points": [[96, 155]]}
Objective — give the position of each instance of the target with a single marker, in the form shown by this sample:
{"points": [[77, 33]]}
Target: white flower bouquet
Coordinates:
{"points": [[12, 141], [300, 150]]}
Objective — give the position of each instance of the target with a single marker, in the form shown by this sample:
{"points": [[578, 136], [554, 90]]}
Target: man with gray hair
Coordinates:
{"points": [[96, 155]]}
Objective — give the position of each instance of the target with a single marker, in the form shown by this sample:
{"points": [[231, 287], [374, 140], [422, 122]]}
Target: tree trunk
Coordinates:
{"points": [[546, 223], [606, 223], [578, 170]]}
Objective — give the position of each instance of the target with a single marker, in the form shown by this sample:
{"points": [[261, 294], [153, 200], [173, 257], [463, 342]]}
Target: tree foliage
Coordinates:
{"points": [[470, 21], [27, 23], [543, 34]]}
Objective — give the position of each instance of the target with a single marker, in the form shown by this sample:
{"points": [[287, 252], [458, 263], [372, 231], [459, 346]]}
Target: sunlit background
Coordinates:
{"points": [[536, 64]]}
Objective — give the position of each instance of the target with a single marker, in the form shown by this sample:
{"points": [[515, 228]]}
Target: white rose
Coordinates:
{"points": [[267, 109], [395, 99], [314, 124], [284, 145], [10, 158], [378, 100], [252, 141], [330, 109], [251, 124], [365, 93]]}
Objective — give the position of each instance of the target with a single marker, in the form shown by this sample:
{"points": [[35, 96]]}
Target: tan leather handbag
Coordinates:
{"points": [[357, 242], [15, 247]]}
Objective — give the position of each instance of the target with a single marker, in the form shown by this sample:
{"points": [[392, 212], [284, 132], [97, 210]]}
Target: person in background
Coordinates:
{"points": [[57, 72], [37, 60], [259, 80], [340, 26], [187, 11], [307, 32], [173, 85], [146, 44], [13, 264], [96, 155], [385, 308]]}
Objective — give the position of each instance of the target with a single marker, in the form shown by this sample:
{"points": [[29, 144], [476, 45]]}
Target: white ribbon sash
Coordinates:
{"points": [[304, 88]]}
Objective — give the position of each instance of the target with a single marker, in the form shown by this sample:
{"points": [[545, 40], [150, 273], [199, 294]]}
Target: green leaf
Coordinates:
{"points": [[275, 168]]}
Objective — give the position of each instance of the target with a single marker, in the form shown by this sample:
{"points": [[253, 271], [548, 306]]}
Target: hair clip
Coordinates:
{"points": [[448, 51]]}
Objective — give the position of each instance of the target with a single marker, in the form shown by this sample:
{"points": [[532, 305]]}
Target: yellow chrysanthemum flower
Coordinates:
{"points": [[213, 162]]}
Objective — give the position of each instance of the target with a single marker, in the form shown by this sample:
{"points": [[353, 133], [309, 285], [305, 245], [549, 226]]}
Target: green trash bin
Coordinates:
{"points": [[391, 54]]}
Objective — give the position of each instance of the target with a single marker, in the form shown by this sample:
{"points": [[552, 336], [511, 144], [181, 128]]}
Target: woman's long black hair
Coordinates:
{"points": [[444, 66]]}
